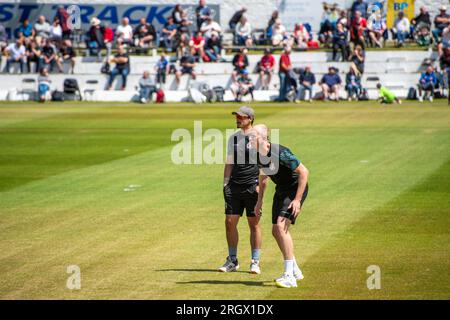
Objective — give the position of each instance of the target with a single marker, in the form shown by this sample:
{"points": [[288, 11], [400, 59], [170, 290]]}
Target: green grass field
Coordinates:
{"points": [[379, 195]]}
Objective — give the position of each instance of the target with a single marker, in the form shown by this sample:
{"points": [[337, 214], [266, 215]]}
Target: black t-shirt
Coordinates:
{"points": [[123, 65], [279, 166], [48, 51], [67, 51], [245, 165]]}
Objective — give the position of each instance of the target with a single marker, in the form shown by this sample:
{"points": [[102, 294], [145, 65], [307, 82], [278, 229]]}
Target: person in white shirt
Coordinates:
{"points": [[42, 29], [56, 30], [401, 28], [124, 32], [16, 54], [278, 33], [244, 32], [210, 26]]}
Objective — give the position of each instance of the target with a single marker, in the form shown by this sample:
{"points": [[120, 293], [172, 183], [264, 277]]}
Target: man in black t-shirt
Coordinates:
{"points": [[67, 53], [291, 179], [241, 191], [122, 61]]}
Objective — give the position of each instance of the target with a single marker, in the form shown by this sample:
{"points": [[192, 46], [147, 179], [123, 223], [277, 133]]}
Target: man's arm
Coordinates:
{"points": [[263, 180], [227, 171], [303, 174]]}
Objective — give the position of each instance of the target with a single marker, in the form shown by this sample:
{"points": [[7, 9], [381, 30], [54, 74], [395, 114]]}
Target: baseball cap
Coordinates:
{"points": [[245, 111], [443, 8]]}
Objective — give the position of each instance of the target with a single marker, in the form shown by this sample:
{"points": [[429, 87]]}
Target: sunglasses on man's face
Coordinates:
{"points": [[241, 117]]}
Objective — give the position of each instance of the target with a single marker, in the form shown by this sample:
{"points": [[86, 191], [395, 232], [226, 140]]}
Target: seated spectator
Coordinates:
{"points": [[242, 86], [144, 34], [67, 54], [177, 14], [340, 42], [49, 57], [33, 53], [240, 63], [168, 34], [56, 31], [187, 63], [359, 6], [387, 96], [96, 38], [273, 18], [401, 28], [183, 38], [358, 59], [197, 45], [42, 29], [307, 82], [213, 48], [331, 83], [343, 19], [122, 68], [209, 26], [244, 33], [236, 18], [301, 36], [423, 19], [25, 30], [353, 85], [43, 85], [16, 54], [358, 27], [266, 68], [162, 69], [124, 33], [445, 41], [202, 13], [108, 39], [427, 84], [441, 22], [146, 88], [64, 17], [326, 27], [376, 27], [422, 28], [3, 38], [278, 33]]}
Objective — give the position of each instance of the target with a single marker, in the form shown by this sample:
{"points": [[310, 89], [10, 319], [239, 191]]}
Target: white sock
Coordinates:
{"points": [[289, 267], [296, 267]]}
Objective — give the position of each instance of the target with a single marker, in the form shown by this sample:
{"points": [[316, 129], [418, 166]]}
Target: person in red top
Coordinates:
{"points": [[266, 66], [197, 45], [358, 28], [285, 68], [108, 38]]}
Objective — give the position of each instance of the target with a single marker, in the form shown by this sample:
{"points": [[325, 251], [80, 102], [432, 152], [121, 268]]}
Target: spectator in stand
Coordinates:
{"points": [[95, 38], [202, 12], [56, 33], [124, 33], [340, 43], [168, 34], [445, 41], [278, 33], [49, 57], [326, 27], [26, 30], [187, 63], [358, 59], [444, 61], [242, 86], [307, 82], [108, 39], [244, 32], [122, 68], [401, 29], [197, 45], [177, 14], [63, 17], [359, 6], [183, 37], [144, 34], [427, 84], [16, 54], [273, 18], [213, 48], [283, 73], [237, 16], [162, 69], [3, 40], [266, 69], [422, 28], [353, 85], [422, 19], [146, 87], [240, 63], [210, 26], [358, 27], [33, 52], [343, 19], [67, 53], [331, 83], [43, 85], [376, 26], [301, 36], [42, 29], [441, 22]]}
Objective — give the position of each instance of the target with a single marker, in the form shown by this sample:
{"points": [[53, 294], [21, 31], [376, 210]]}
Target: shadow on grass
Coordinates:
{"points": [[194, 270], [221, 282]]}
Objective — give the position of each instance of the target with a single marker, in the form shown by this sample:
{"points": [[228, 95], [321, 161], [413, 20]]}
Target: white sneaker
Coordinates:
{"points": [[143, 100], [229, 266], [431, 98], [254, 267], [298, 275], [286, 281], [420, 99]]}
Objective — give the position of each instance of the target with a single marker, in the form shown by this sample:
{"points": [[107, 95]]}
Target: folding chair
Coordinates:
{"points": [[28, 88]]}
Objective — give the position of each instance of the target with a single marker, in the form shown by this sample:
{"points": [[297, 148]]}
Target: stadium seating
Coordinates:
{"points": [[398, 70]]}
